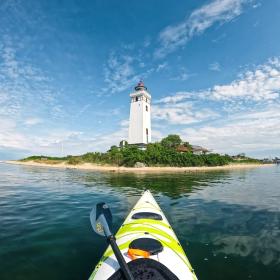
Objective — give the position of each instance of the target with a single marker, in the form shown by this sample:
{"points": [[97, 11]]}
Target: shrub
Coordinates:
{"points": [[74, 160]]}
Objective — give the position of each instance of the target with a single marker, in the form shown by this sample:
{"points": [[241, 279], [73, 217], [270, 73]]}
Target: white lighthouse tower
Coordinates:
{"points": [[140, 116]]}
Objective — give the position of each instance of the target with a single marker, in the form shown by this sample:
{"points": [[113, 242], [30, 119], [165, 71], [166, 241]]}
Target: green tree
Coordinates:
{"points": [[131, 154], [115, 156], [113, 149], [171, 141], [154, 154]]}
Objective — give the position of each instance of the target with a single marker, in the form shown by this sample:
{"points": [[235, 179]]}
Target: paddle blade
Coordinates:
{"points": [[101, 219]]}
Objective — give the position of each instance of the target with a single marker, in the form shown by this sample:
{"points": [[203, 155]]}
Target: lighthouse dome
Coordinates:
{"points": [[140, 86]]}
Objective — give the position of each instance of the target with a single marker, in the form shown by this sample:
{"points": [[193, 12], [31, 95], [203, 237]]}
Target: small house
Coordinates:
{"points": [[198, 150]]}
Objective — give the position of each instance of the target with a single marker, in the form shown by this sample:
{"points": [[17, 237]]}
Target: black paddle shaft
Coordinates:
{"points": [[123, 265]]}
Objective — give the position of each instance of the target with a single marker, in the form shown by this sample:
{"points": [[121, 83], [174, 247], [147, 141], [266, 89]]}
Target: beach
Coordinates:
{"points": [[150, 169]]}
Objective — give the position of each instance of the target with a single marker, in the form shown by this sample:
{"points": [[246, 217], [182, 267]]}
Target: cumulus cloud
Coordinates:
{"points": [[177, 97], [242, 115], [261, 84], [243, 132], [218, 11], [182, 113]]}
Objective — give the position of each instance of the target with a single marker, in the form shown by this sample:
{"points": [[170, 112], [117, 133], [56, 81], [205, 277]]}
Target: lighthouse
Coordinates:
{"points": [[140, 116]]}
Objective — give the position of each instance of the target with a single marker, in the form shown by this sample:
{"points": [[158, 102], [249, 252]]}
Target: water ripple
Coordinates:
{"points": [[226, 220]]}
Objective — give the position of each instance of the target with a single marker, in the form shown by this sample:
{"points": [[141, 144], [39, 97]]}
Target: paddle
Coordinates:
{"points": [[101, 220]]}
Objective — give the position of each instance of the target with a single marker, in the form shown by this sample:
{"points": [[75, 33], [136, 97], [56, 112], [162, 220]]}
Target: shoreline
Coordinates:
{"points": [[152, 169]]}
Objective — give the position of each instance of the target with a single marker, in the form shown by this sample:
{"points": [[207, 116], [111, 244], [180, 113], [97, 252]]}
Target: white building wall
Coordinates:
{"points": [[147, 123], [140, 119]]}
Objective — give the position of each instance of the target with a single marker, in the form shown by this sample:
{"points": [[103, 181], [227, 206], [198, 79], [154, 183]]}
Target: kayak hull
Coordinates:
{"points": [[146, 221]]}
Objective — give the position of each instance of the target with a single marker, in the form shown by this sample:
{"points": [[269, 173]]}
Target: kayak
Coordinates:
{"points": [[149, 247]]}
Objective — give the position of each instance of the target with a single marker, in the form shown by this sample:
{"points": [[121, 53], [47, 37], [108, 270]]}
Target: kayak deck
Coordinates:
{"points": [[147, 227]]}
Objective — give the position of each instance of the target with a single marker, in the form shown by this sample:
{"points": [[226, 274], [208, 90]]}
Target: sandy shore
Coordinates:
{"points": [[90, 166]]}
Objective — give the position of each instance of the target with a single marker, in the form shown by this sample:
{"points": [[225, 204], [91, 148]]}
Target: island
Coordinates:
{"points": [[168, 155]]}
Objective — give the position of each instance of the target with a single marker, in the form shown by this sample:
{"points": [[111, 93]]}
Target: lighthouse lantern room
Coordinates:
{"points": [[140, 116]]}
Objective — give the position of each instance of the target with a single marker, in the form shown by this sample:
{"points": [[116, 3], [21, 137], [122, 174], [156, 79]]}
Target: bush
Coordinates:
{"points": [[131, 155], [74, 160], [171, 141]]}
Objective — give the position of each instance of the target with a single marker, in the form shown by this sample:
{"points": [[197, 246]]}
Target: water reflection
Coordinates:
{"points": [[230, 229], [228, 222], [171, 185]]}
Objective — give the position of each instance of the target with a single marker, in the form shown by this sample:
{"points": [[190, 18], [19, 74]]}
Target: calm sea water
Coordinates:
{"points": [[228, 222]]}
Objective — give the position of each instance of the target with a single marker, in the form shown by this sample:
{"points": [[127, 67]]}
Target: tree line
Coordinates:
{"points": [[163, 153]]}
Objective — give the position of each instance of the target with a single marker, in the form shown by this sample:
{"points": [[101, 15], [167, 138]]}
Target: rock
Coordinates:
{"points": [[139, 164]]}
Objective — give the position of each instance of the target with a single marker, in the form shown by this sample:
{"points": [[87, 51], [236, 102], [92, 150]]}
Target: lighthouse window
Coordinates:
{"points": [[146, 108], [136, 98], [147, 131]]}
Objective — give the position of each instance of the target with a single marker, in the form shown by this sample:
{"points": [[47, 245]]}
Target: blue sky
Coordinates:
{"points": [[67, 68]]}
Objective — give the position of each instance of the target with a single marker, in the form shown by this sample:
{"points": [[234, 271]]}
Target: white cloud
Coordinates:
{"points": [[177, 97], [243, 132], [25, 91], [23, 86], [107, 140], [10, 137], [183, 113], [260, 84], [120, 72], [56, 142], [183, 77], [241, 116], [215, 66], [218, 11], [32, 121], [161, 66]]}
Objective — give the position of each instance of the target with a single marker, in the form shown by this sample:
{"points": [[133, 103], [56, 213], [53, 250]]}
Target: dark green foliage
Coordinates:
{"points": [[115, 156], [163, 153], [131, 154], [171, 141]]}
